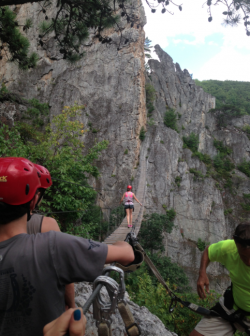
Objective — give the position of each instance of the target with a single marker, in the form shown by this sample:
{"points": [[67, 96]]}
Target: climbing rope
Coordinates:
{"points": [[133, 241]]}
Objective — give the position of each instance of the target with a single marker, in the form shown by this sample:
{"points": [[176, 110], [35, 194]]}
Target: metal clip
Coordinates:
{"points": [[122, 286], [102, 311], [172, 305]]}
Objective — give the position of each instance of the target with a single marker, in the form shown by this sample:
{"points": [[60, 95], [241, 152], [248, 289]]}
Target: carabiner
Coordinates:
{"points": [[102, 311], [122, 286], [172, 306]]}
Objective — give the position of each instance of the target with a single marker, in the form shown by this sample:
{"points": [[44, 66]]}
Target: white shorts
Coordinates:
{"points": [[217, 326]]}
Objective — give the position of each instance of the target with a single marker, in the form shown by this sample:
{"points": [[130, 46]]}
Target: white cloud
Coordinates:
{"points": [[227, 64], [231, 62]]}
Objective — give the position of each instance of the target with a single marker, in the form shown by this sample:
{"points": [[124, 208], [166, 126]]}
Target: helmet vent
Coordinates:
{"points": [[26, 169], [39, 175], [47, 180], [27, 189]]}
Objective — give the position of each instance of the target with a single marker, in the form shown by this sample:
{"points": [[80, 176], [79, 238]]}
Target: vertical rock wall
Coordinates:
{"points": [[199, 203], [108, 81], [111, 84]]}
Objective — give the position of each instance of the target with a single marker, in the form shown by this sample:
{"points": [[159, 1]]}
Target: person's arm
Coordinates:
{"points": [[122, 198], [69, 295], [72, 320], [121, 252], [203, 280], [136, 199], [49, 224]]}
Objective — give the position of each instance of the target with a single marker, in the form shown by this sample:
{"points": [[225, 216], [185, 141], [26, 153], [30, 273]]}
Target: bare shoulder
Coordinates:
{"points": [[49, 224]]}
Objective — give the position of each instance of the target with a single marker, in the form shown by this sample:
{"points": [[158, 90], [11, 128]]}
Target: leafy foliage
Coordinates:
{"points": [[71, 22], [178, 180], [197, 174], [226, 113], [142, 134], [36, 112], [152, 228], [201, 244], [228, 211], [13, 41], [203, 157], [191, 142], [150, 97], [224, 150], [182, 320], [170, 119], [59, 149], [222, 163], [246, 129], [231, 93], [244, 167], [3, 91]]}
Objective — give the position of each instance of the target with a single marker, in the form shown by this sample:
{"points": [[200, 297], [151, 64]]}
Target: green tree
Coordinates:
{"points": [[71, 21], [231, 93], [152, 228], [18, 45], [60, 149]]}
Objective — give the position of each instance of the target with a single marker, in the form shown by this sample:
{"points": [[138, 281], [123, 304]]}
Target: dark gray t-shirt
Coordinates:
{"points": [[34, 270]]}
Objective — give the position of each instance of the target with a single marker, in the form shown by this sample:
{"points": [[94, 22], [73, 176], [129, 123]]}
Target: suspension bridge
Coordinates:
{"points": [[121, 232]]}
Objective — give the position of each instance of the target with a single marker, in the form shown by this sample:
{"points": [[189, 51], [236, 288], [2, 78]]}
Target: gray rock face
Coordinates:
{"points": [[199, 204], [110, 83], [150, 324]]}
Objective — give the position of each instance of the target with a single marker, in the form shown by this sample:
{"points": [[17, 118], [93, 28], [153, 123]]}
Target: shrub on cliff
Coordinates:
{"points": [[226, 113], [191, 142], [170, 119], [142, 134], [152, 228], [150, 97], [244, 167]]}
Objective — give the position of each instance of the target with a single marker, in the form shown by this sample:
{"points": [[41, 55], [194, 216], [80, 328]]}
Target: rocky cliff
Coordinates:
{"points": [[111, 84]]}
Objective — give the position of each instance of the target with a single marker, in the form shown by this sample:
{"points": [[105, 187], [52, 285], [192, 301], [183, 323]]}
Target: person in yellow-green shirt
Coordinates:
{"points": [[235, 256]]}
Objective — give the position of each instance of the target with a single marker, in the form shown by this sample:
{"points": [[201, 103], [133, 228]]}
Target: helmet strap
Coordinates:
{"points": [[42, 191]]}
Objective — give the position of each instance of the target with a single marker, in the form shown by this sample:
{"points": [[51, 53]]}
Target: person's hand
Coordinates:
{"points": [[202, 282], [72, 321]]}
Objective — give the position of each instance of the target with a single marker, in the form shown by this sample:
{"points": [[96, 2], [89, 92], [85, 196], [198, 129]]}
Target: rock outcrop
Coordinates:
{"points": [[199, 203], [148, 323]]}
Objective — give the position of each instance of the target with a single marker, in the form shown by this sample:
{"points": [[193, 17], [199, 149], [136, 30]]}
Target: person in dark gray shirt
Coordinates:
{"points": [[34, 269]]}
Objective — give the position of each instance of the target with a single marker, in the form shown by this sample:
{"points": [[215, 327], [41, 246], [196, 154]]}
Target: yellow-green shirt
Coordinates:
{"points": [[227, 254]]}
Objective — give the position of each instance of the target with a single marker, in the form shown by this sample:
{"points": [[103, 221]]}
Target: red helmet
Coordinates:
{"points": [[19, 180], [129, 187], [44, 175]]}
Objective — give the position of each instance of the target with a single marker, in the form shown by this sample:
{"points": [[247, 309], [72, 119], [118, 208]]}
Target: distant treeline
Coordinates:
{"points": [[228, 92]]}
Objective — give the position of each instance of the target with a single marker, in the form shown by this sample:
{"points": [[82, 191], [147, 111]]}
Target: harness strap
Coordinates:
{"points": [[104, 329], [195, 308], [132, 327]]}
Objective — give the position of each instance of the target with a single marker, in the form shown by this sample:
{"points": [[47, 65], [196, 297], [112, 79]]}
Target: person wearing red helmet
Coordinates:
{"points": [[34, 269], [127, 198], [41, 224]]}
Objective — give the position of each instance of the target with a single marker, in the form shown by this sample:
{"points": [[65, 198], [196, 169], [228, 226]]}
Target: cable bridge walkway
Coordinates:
{"points": [[121, 232]]}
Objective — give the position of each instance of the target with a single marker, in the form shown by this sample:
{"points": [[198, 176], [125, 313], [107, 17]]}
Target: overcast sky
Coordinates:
{"points": [[207, 50]]}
